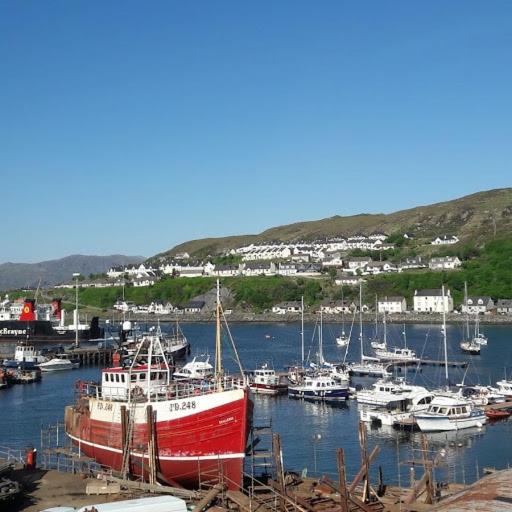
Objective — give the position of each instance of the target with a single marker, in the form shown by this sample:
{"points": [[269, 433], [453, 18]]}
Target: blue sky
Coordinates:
{"points": [[130, 126]]}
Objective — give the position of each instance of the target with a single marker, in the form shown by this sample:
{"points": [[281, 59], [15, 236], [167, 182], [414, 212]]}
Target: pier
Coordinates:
{"points": [[92, 356]]}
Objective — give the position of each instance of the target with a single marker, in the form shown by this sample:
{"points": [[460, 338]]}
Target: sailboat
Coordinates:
{"points": [[368, 366], [479, 337], [376, 343], [139, 419], [396, 354], [342, 340], [449, 411], [470, 346]]}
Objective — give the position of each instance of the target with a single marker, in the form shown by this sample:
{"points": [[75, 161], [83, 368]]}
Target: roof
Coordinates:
{"points": [[195, 304], [437, 292], [504, 303]]}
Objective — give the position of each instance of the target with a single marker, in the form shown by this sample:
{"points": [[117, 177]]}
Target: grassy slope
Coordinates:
{"points": [[470, 217]]}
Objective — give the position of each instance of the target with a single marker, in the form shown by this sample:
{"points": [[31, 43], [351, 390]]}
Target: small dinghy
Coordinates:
{"points": [[497, 414]]}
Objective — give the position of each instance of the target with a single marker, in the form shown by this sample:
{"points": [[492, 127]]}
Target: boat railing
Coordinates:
{"points": [[159, 392]]}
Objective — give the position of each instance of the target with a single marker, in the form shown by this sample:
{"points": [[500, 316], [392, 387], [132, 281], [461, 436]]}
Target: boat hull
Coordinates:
{"points": [[339, 395], [432, 423], [269, 389], [198, 438]]}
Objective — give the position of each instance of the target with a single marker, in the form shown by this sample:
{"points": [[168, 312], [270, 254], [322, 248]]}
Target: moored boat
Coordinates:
{"points": [[497, 414], [265, 381], [196, 369], [199, 430], [319, 388]]}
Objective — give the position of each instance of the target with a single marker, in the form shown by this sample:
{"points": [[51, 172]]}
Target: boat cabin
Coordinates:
{"points": [[140, 381], [454, 411], [265, 376]]}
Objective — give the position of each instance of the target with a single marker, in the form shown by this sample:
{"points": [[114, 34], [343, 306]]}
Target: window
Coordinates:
{"points": [[106, 377], [117, 377], [142, 376], [133, 377], [442, 410], [122, 377]]}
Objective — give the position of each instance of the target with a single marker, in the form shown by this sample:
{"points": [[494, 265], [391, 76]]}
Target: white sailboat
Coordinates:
{"points": [[343, 340], [468, 345], [368, 366], [376, 343], [396, 353]]}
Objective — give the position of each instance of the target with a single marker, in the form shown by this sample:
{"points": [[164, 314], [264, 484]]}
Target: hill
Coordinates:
{"points": [[476, 217], [51, 272]]}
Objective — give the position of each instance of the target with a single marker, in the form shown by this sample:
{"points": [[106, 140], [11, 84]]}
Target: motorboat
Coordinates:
{"points": [[505, 387], [196, 369], [483, 395], [265, 381], [369, 368], [397, 354], [342, 340], [450, 412], [385, 393], [398, 412], [321, 388], [58, 363]]}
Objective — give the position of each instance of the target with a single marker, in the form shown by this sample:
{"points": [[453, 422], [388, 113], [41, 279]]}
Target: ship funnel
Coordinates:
{"points": [[28, 312]]}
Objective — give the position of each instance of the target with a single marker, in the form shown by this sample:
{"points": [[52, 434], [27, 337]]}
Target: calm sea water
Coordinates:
{"points": [[311, 432]]}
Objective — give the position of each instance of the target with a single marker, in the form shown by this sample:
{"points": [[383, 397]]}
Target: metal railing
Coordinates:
{"points": [[9, 454], [159, 392]]}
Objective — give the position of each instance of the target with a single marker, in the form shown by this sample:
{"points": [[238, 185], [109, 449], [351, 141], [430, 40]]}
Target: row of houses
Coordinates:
{"points": [[160, 308], [424, 301]]}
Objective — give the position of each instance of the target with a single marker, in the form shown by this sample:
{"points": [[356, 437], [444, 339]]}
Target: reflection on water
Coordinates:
{"points": [[312, 431]]}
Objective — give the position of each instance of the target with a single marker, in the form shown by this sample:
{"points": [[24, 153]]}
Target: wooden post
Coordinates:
{"points": [[151, 445], [364, 462], [278, 460], [429, 484], [340, 456], [124, 431]]}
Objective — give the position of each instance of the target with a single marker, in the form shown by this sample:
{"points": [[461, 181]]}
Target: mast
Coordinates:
{"points": [[361, 321], [385, 329], [218, 348], [320, 340], [444, 342], [342, 313], [302, 328], [466, 305]]}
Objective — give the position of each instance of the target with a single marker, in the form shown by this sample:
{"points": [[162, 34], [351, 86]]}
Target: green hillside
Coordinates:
{"points": [[487, 270]]}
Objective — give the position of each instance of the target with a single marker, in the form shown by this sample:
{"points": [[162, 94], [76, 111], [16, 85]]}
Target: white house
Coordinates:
{"points": [[143, 281], [259, 269], [504, 307], [194, 306], [445, 240], [379, 267], [392, 305], [356, 263], [332, 260], [444, 263], [412, 263], [125, 305], [285, 308], [191, 271], [335, 307], [287, 269], [115, 272], [226, 270], [478, 305], [431, 301], [160, 308]]}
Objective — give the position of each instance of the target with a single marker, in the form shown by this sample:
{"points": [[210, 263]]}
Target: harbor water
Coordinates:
{"points": [[311, 432]]}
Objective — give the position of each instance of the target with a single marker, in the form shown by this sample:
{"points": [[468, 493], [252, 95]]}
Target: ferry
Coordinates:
{"points": [[42, 323]]}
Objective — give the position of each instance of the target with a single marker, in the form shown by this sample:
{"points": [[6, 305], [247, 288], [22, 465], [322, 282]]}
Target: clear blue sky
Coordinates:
{"points": [[130, 126]]}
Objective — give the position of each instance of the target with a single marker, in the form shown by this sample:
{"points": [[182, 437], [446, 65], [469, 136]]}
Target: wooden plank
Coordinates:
{"points": [[360, 474]]}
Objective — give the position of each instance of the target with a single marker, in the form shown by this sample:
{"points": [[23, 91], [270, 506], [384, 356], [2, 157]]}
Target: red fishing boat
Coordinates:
{"points": [[193, 432]]}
